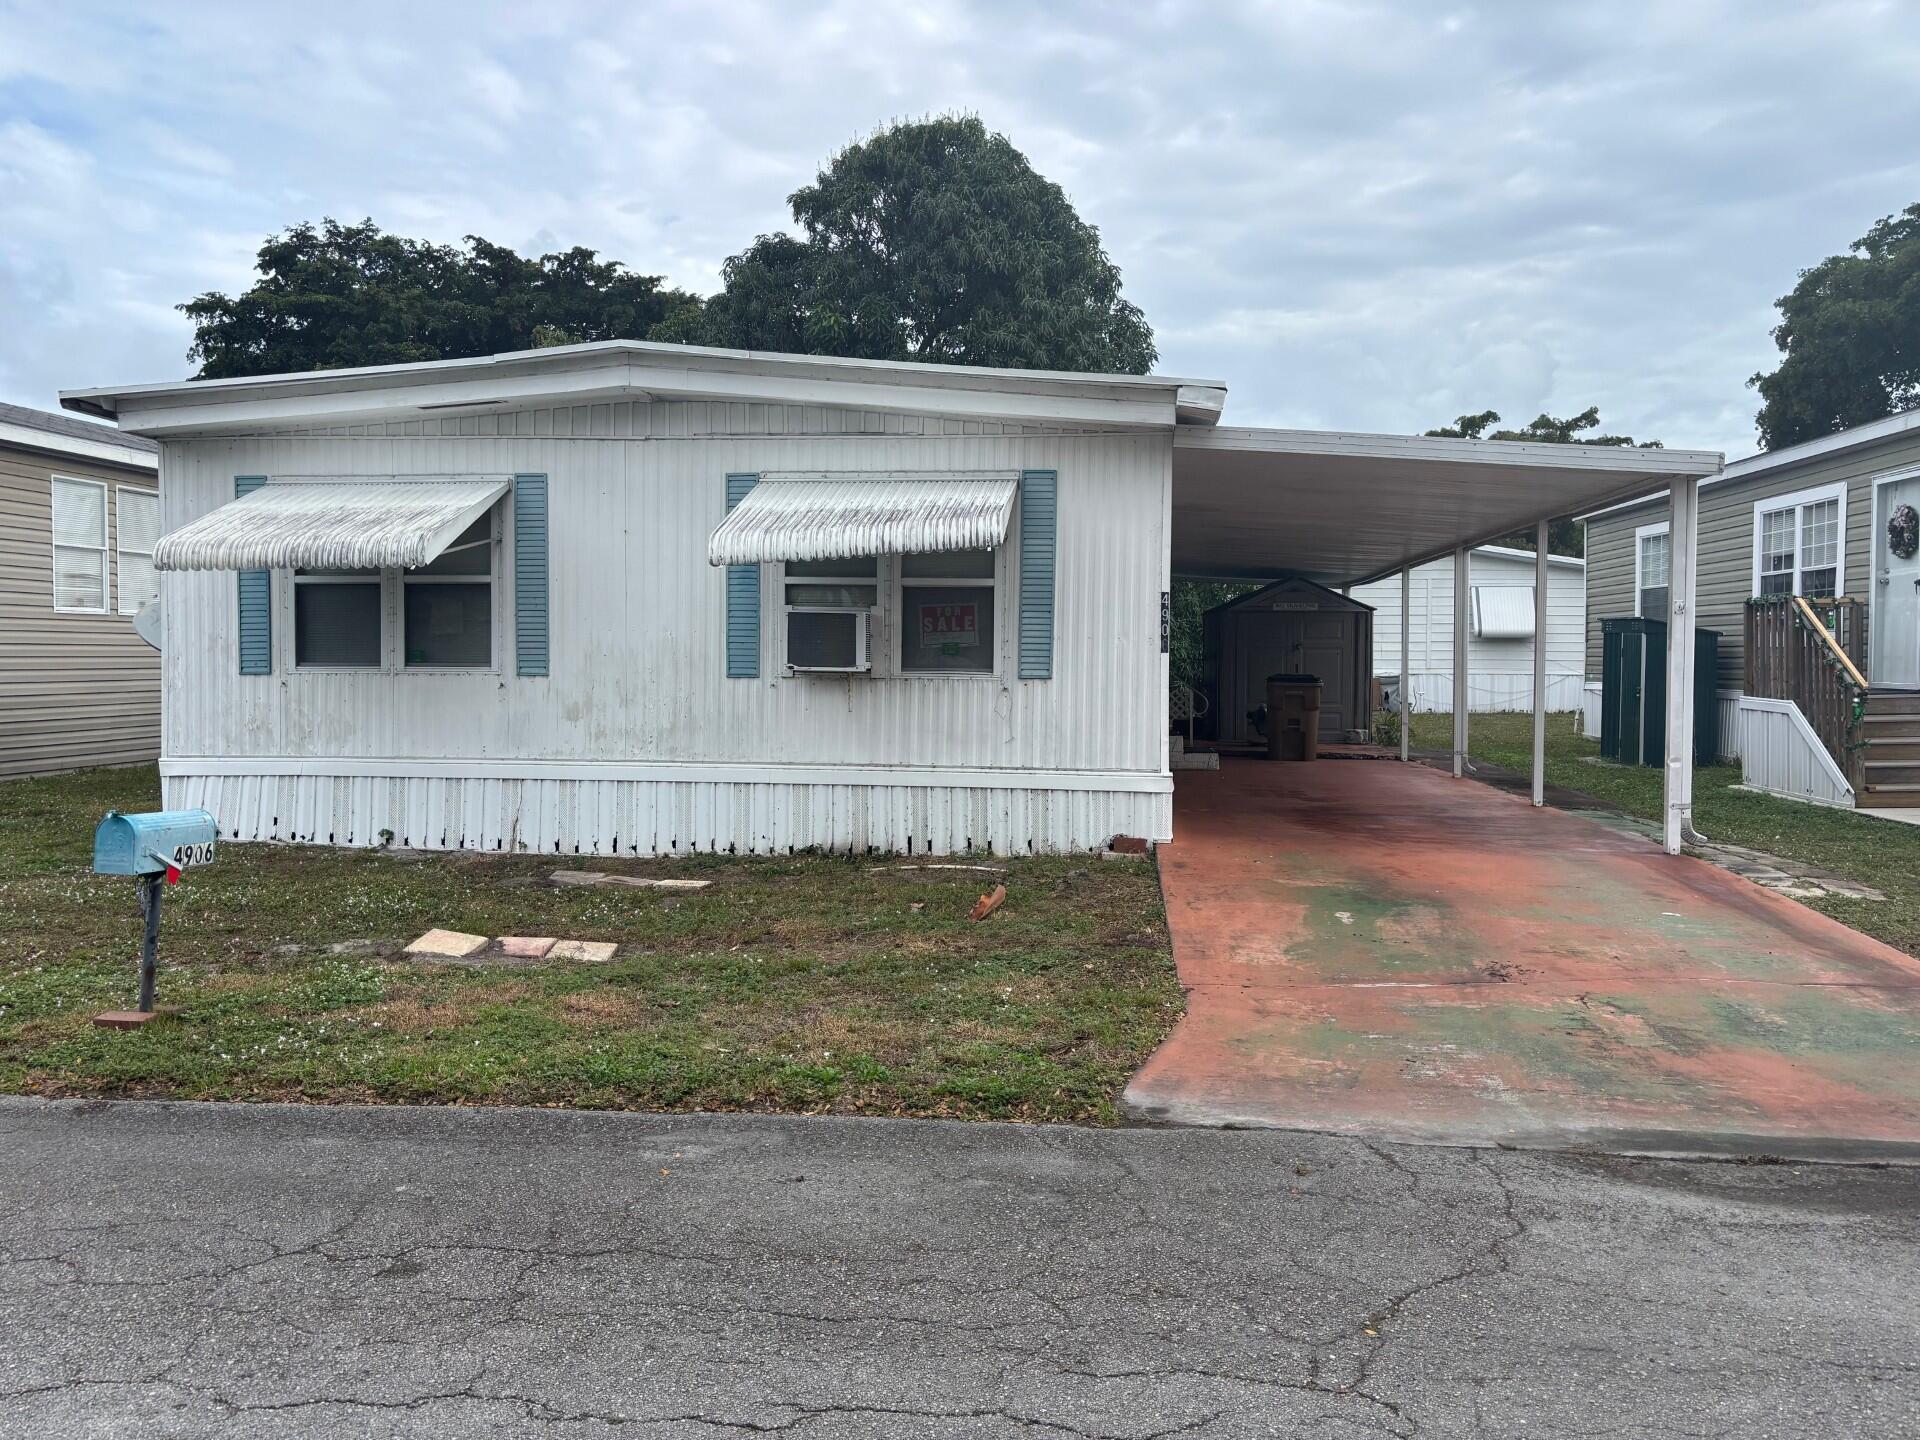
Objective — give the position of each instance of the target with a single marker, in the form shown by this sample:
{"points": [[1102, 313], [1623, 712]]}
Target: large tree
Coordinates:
{"points": [[337, 295], [934, 240], [1564, 536], [1850, 334]]}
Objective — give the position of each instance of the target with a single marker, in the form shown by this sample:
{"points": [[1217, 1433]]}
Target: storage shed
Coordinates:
{"points": [[1292, 626]]}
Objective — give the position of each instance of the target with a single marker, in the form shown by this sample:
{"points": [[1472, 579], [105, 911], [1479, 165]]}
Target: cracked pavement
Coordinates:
{"points": [[220, 1271]]}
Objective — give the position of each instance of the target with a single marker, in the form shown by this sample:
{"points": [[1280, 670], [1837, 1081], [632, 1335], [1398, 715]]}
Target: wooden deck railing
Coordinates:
{"points": [[1811, 652]]}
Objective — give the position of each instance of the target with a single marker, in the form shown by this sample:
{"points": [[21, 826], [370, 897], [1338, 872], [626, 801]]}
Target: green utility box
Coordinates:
{"points": [[1633, 692]]}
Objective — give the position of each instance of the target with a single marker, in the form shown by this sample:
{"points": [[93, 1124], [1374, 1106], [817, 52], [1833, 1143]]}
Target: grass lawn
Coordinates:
{"points": [[802, 984], [1881, 853]]}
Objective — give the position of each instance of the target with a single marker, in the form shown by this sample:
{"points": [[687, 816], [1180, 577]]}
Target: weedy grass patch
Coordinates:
{"points": [[798, 983]]}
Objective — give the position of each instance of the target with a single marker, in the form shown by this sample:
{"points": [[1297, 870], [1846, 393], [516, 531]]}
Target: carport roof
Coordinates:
{"points": [[1343, 509]]}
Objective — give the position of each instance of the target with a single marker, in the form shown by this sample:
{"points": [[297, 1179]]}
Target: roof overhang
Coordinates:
{"points": [[111, 448], [1772, 462], [331, 525], [638, 370], [1343, 509], [825, 517]]}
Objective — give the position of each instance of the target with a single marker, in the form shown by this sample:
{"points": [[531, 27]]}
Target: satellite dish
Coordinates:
{"points": [[146, 624]]}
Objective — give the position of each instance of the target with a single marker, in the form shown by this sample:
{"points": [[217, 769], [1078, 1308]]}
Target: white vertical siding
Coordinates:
{"points": [[1500, 671], [637, 644]]}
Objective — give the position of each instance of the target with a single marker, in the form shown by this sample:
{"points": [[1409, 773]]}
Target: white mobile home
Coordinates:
{"points": [[1500, 634], [653, 599]]}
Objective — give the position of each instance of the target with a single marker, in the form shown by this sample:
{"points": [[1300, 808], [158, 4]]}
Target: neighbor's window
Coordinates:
{"points": [[1797, 543], [1655, 573], [336, 619], [79, 545], [827, 603], [947, 605], [138, 528], [447, 607]]}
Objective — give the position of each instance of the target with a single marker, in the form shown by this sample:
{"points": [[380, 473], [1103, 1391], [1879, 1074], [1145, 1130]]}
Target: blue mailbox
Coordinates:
{"points": [[155, 846], [154, 843]]}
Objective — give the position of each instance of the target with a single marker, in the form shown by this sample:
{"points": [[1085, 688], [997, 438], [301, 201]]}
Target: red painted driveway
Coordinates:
{"points": [[1380, 949]]}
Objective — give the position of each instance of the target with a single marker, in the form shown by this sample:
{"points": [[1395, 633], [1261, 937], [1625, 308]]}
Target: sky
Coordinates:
{"points": [[1360, 216]]}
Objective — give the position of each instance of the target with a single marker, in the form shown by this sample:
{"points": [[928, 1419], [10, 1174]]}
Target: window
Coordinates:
{"points": [[1797, 543], [336, 619], [138, 527], [1653, 571], [946, 613], [444, 611], [79, 546], [447, 606], [829, 604]]}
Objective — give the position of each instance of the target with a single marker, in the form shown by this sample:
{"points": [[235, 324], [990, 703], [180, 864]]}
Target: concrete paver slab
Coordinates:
{"points": [[454, 944]]}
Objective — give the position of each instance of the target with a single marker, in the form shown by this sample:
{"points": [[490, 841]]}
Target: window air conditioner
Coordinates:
{"points": [[827, 640]]}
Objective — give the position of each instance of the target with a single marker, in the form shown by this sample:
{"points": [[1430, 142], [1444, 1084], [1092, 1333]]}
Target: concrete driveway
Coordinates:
{"points": [[272, 1272], [1379, 949]]}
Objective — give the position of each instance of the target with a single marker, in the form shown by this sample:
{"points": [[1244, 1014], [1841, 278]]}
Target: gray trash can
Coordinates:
{"points": [[1293, 717]]}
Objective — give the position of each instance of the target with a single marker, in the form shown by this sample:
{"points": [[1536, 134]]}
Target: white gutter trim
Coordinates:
{"points": [[26, 437], [1137, 782]]}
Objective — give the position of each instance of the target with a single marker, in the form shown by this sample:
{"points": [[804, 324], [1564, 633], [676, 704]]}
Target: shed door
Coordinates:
{"points": [[1303, 642], [1327, 651]]}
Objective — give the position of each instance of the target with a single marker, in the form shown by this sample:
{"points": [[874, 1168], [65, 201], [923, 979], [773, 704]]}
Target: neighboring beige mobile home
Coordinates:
{"points": [[79, 513]]}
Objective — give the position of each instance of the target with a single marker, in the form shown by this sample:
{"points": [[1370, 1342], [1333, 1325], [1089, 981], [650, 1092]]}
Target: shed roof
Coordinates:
{"points": [[1263, 598]]}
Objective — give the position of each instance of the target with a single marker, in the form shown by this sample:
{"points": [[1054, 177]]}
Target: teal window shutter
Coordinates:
{"points": [[256, 602], [1039, 522], [743, 600], [530, 610]]}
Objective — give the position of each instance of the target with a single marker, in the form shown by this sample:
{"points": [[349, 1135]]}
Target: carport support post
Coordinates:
{"points": [[1406, 653], [1682, 550], [1462, 598], [1540, 665]]}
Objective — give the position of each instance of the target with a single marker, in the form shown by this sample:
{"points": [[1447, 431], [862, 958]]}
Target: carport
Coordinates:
{"points": [[1378, 949], [1344, 509]]}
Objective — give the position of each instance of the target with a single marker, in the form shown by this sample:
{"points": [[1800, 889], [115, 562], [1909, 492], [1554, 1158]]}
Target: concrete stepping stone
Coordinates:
{"points": [[596, 952], [526, 947], [634, 882], [452, 944]]}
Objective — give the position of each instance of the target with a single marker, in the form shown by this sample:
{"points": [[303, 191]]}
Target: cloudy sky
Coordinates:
{"points": [[1368, 216]]}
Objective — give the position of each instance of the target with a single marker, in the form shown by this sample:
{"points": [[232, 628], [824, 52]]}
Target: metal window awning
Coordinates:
{"points": [[1503, 612], [842, 518], [331, 525]]}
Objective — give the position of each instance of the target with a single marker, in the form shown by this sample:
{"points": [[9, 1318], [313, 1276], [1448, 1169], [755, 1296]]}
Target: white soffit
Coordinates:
{"points": [[1343, 509], [331, 525], [816, 517]]}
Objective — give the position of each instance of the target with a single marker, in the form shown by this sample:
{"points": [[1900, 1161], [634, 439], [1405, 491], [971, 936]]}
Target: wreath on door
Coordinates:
{"points": [[1903, 531]]}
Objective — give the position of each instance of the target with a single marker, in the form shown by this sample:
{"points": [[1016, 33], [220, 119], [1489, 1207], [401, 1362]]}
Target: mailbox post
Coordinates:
{"points": [[156, 847]]}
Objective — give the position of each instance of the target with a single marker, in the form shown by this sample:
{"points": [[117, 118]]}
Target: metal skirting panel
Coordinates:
{"points": [[1431, 692], [1780, 753], [641, 817]]}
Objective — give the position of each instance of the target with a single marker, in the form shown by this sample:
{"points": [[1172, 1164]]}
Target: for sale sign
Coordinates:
{"points": [[943, 625]]}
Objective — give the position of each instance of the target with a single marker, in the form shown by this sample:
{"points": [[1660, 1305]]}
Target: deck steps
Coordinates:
{"points": [[1891, 729]]}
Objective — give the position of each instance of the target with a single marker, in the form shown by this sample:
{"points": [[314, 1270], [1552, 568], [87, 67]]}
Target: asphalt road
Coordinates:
{"points": [[197, 1270]]}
